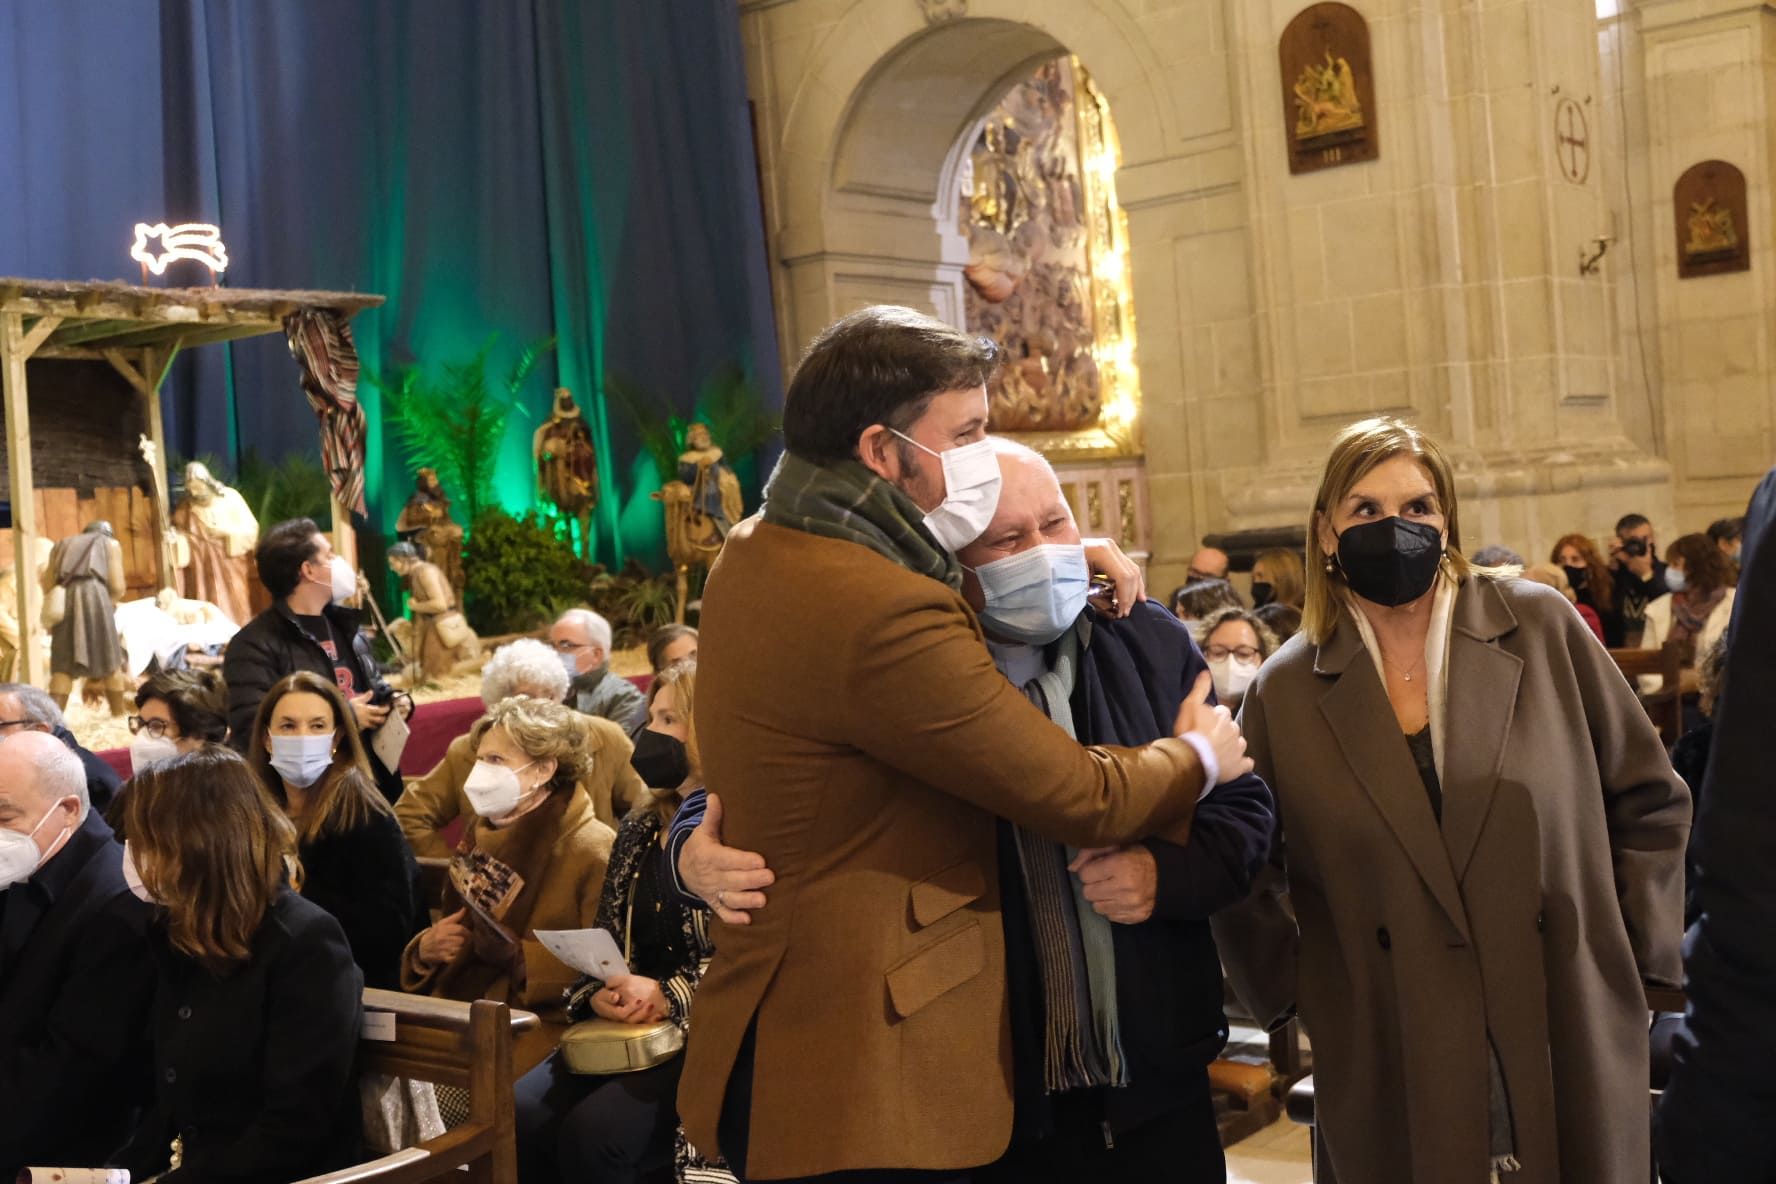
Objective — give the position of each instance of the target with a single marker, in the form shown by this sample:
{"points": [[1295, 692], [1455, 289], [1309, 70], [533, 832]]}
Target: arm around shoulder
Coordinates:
{"points": [[930, 703]]}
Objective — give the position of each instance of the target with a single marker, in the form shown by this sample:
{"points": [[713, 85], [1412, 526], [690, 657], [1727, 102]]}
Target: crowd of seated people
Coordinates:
{"points": [[1059, 812]]}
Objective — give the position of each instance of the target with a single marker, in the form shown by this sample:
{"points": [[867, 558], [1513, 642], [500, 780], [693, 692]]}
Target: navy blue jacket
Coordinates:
{"points": [[1714, 1120], [1134, 675], [75, 979]]}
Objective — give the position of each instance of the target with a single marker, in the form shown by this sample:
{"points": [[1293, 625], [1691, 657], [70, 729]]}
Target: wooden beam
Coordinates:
{"points": [[38, 333], [81, 331], [130, 374], [155, 364], [24, 510]]}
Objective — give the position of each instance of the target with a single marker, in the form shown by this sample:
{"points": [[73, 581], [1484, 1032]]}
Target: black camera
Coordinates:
{"points": [[1635, 547]]}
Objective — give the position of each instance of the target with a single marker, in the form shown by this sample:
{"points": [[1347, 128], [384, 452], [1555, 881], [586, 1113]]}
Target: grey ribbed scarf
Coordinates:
{"points": [[1075, 947]]}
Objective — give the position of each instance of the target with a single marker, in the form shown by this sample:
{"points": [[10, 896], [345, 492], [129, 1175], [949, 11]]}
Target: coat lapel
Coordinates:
{"points": [[1357, 709], [1482, 680]]}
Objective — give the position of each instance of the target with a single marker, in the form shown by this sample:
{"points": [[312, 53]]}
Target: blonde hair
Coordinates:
{"points": [[1553, 575], [682, 678], [543, 731], [1288, 575], [213, 848], [1356, 452], [346, 797]]}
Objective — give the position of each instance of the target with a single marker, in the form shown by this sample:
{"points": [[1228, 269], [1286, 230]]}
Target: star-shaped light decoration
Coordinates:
{"points": [[199, 242]]}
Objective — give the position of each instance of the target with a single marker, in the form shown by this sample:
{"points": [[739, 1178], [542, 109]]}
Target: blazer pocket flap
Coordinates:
{"points": [[937, 896], [939, 967]]}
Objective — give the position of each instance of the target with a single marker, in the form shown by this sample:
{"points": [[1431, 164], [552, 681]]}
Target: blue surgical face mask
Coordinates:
{"points": [[1674, 579], [1035, 595]]}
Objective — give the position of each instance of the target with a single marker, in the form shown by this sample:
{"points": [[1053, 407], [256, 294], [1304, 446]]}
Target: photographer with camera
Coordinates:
{"points": [[1638, 571], [308, 627]]}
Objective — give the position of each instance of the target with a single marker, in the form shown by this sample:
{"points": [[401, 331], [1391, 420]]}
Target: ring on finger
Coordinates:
{"points": [[721, 900]]}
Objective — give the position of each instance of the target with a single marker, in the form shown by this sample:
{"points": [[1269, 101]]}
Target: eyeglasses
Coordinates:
{"points": [[156, 728], [564, 646], [16, 723], [1220, 653]]}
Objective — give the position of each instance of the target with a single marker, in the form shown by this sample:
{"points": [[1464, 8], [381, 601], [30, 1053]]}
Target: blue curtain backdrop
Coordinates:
{"points": [[526, 167]]}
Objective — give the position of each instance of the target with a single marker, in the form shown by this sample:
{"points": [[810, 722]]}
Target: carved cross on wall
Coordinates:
{"points": [[1572, 141]]}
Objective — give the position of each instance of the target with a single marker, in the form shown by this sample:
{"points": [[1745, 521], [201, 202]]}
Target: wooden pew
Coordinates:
{"points": [[468, 1045], [1665, 705]]}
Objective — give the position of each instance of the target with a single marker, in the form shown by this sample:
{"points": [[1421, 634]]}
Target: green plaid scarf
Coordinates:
{"points": [[847, 501]]}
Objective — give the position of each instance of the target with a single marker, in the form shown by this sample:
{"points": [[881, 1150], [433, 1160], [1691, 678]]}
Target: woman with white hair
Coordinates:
{"points": [[523, 667]]}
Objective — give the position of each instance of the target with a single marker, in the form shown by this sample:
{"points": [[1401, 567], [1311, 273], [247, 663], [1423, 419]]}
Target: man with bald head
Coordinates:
{"points": [[1112, 979], [75, 976], [1210, 563]]}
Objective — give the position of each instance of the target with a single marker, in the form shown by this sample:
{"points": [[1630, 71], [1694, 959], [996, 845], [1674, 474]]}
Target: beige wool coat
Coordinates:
{"points": [[1552, 888]]}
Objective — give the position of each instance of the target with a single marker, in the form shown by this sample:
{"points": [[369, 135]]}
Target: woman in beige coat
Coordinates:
{"points": [[1482, 843]]}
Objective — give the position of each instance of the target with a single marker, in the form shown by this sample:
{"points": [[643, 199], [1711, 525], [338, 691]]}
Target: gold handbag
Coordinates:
{"points": [[601, 1047]]}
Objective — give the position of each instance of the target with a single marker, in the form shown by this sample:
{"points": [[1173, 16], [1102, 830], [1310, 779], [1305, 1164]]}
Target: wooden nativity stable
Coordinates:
{"points": [[82, 365]]}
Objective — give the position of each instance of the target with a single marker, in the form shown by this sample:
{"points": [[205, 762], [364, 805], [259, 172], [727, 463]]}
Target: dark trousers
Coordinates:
{"points": [[613, 1130], [1183, 1144]]}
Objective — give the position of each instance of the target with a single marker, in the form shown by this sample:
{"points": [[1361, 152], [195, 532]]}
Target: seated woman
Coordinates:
{"points": [[1279, 576], [615, 1129], [1555, 577], [671, 644], [355, 862], [1236, 643], [1198, 599], [1284, 619], [524, 667], [533, 858], [1592, 585], [257, 1004], [1701, 601], [177, 711]]}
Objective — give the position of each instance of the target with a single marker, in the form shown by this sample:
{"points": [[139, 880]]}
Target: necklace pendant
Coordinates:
{"points": [[1408, 678]]}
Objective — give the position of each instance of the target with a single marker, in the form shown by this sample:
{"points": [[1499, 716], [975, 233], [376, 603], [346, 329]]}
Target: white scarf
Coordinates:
{"points": [[1436, 656]]}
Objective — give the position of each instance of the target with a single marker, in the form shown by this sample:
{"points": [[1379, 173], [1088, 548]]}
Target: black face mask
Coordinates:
{"points": [[1262, 593], [660, 759], [1392, 561], [1577, 576]]}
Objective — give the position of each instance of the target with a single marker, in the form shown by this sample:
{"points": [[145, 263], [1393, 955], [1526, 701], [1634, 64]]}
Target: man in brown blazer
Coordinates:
{"points": [[863, 742]]}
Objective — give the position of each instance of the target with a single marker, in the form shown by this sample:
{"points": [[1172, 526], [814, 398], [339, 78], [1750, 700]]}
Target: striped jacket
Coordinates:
{"points": [[636, 839]]}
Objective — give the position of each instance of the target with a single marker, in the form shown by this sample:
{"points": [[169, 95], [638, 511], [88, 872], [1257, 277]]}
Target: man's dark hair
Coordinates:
{"points": [[1630, 522], [1725, 530], [282, 552], [879, 365]]}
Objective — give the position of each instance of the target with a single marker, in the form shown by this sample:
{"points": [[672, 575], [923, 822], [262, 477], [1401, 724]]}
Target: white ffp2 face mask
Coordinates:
{"points": [[1035, 595], [19, 857], [1231, 676], [301, 760], [342, 582], [132, 878], [494, 790], [147, 750], [971, 492]]}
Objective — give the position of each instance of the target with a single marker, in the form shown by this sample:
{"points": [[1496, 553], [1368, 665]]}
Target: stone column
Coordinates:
{"points": [[1709, 82]]}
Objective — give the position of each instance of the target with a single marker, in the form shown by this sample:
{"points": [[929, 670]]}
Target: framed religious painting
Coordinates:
{"points": [[1713, 232], [1328, 83]]}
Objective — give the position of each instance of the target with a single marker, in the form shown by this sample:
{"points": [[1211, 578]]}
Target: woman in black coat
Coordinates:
{"points": [[355, 861], [257, 1005]]}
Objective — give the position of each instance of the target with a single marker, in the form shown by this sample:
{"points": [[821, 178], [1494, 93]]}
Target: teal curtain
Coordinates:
{"points": [[582, 168]]}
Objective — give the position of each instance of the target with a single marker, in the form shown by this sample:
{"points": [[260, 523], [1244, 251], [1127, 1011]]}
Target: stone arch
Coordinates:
{"points": [[875, 127]]}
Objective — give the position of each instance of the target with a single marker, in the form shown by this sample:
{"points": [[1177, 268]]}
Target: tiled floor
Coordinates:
{"points": [[1279, 1154]]}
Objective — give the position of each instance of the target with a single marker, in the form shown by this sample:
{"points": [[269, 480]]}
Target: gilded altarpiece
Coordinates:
{"points": [[1048, 268]]}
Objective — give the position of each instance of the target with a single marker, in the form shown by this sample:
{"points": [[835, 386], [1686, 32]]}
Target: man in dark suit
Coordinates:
{"points": [[75, 974], [1714, 1120], [871, 776]]}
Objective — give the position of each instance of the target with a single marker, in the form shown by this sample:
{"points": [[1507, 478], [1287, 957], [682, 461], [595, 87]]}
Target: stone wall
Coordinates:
{"points": [[1441, 281]]}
